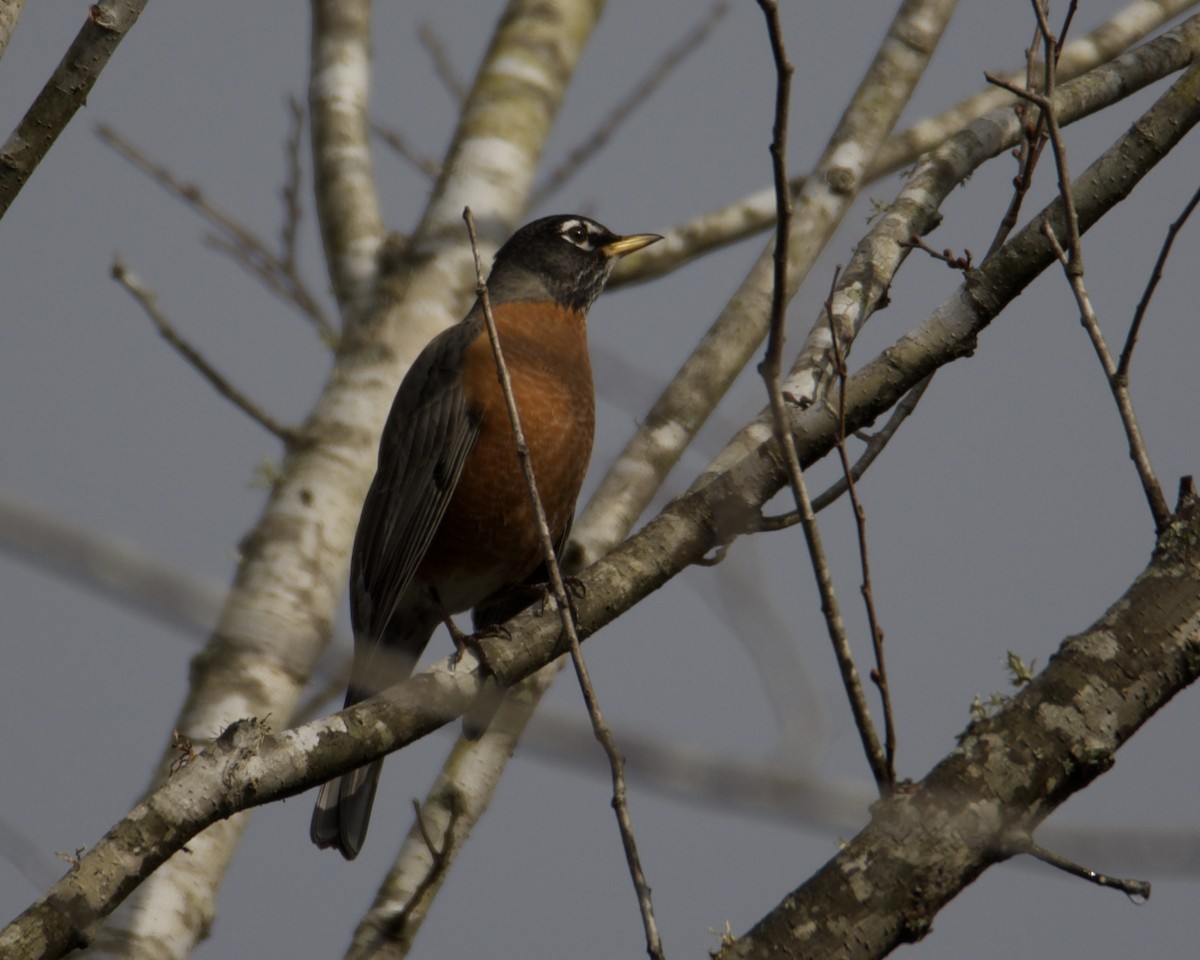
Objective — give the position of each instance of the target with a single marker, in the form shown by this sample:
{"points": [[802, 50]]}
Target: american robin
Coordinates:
{"points": [[447, 524]]}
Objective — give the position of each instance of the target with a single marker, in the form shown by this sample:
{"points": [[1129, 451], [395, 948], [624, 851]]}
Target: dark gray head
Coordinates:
{"points": [[568, 257]]}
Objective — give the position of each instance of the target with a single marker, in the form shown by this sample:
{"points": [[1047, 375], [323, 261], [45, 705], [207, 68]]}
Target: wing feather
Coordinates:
{"points": [[427, 438]]}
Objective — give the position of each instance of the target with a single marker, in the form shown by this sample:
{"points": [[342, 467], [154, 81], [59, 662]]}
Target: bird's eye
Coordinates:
{"points": [[577, 233]]}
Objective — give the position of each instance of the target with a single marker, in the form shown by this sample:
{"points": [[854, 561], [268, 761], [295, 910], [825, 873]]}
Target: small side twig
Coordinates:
{"points": [[232, 237], [879, 675], [565, 611], [1033, 131], [875, 445], [1152, 284], [1071, 259], [593, 144], [400, 146], [440, 856], [293, 206], [955, 261], [149, 303], [770, 371], [1119, 386], [1136, 890], [442, 66]]}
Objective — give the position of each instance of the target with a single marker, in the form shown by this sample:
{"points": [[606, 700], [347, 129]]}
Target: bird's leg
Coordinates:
{"points": [[462, 641]]}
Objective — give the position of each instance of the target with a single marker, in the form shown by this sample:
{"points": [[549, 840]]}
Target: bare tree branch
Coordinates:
{"points": [[875, 445], [879, 675], [865, 281], [278, 273], [65, 92], [1128, 26], [1072, 262], [739, 330], [343, 178], [1138, 890], [925, 844], [146, 299], [922, 846]]}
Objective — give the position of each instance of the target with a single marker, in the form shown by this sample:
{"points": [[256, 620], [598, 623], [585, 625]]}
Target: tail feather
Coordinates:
{"points": [[343, 810]]}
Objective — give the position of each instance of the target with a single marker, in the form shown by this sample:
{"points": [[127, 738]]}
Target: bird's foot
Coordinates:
{"points": [[473, 642], [573, 588]]}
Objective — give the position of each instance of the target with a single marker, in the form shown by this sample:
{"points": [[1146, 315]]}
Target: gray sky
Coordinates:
{"points": [[1005, 515]]}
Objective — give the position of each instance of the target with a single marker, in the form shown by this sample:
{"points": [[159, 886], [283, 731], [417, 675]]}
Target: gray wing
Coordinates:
{"points": [[426, 440]]}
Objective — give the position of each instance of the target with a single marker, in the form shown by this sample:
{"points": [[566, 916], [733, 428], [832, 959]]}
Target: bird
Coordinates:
{"points": [[447, 524]]}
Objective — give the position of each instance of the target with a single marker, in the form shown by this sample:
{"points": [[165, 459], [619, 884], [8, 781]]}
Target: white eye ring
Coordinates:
{"points": [[577, 232]]}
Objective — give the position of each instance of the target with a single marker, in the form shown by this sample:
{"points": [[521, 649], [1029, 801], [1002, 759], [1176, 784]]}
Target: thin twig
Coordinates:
{"points": [[293, 207], [233, 238], [955, 261], [1073, 267], [394, 139], [1072, 262], [66, 90], [439, 853], [284, 285], [879, 675], [1027, 153], [441, 62], [875, 444], [149, 303], [1138, 890], [592, 146], [1152, 284], [440, 860], [1034, 135], [1119, 386], [566, 615], [770, 370]]}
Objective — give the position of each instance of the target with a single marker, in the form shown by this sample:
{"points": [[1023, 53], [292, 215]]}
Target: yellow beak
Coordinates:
{"points": [[623, 246]]}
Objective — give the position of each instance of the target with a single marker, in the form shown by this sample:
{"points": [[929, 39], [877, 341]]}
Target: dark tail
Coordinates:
{"points": [[343, 810]]}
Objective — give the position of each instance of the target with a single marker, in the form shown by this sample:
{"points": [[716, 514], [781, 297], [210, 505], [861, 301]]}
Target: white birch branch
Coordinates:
{"points": [[343, 177]]}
